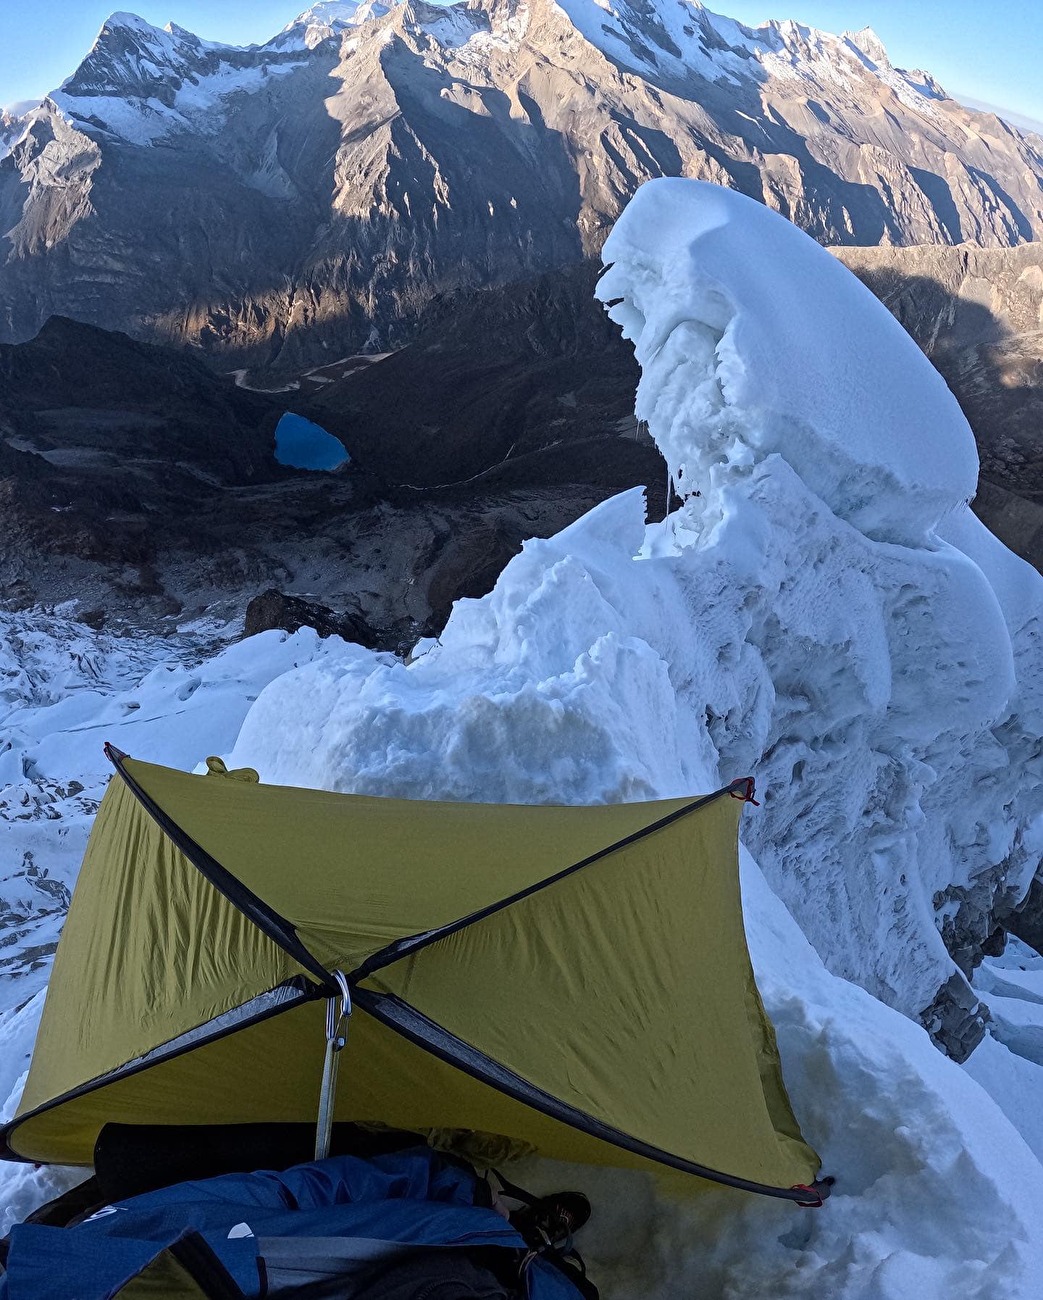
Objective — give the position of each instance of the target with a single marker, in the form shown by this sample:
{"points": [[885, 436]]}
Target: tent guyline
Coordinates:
{"points": [[494, 984]]}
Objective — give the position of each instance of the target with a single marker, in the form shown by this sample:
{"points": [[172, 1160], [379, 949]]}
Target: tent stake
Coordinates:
{"points": [[336, 1037]]}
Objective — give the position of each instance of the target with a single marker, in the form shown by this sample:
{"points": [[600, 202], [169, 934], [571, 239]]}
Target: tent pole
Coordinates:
{"points": [[336, 1036]]}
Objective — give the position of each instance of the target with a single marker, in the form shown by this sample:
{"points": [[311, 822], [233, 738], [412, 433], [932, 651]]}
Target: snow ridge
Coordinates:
{"points": [[142, 83]]}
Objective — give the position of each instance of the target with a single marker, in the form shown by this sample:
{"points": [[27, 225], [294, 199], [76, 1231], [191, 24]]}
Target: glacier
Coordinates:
{"points": [[822, 610]]}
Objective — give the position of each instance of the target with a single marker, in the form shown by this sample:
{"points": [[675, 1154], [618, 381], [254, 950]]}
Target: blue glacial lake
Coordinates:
{"points": [[302, 444]]}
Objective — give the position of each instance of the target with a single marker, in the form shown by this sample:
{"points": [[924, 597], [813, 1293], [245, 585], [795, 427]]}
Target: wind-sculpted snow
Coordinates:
{"points": [[751, 341], [811, 438]]}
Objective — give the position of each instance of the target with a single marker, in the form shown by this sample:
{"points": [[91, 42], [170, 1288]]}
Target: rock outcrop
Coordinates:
{"points": [[274, 609], [11, 127]]}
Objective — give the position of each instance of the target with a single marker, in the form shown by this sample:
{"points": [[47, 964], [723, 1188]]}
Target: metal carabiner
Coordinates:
{"points": [[337, 1024]]}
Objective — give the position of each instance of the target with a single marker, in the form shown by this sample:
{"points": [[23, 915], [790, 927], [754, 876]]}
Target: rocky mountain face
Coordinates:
{"points": [[136, 483], [450, 404], [103, 442], [496, 382], [278, 205], [11, 127], [147, 405]]}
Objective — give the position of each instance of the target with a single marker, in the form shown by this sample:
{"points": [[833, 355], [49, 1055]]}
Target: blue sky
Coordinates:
{"points": [[985, 52]]}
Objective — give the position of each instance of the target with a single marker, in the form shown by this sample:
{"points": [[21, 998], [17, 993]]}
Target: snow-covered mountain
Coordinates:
{"points": [[266, 203], [327, 19], [821, 609], [142, 84], [11, 127]]}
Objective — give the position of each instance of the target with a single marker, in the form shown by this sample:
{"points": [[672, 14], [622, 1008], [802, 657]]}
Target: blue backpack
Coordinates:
{"points": [[402, 1226]]}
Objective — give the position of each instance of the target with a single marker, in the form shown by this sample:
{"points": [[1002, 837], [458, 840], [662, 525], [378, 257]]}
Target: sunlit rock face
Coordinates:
{"points": [[270, 203]]}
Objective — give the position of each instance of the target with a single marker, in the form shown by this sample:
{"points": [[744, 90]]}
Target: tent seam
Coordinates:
{"points": [[372, 1002], [266, 918], [139, 1065], [409, 944]]}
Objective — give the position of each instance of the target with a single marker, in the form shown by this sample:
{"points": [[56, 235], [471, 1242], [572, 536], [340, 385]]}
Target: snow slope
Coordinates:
{"points": [[821, 610]]}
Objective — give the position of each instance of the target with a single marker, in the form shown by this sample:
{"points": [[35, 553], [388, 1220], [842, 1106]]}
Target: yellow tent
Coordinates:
{"points": [[572, 979]]}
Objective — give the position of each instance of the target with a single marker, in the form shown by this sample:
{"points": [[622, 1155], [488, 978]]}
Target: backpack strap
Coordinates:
{"points": [[548, 1223]]}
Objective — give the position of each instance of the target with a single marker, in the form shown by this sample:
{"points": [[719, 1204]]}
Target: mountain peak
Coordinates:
{"points": [[868, 43], [327, 17], [121, 19], [141, 83], [182, 33], [129, 57]]}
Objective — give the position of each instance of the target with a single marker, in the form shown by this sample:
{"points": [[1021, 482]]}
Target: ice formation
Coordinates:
{"points": [[799, 617], [824, 611], [816, 446]]}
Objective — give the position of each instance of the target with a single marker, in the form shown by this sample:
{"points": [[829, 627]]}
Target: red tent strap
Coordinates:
{"points": [[744, 787], [817, 1192]]}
